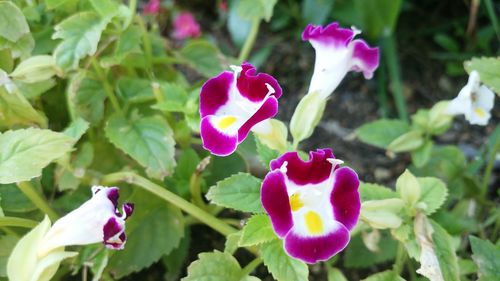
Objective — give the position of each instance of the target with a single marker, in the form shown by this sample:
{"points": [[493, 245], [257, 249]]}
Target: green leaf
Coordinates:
{"points": [[105, 8], [445, 252], [76, 129], [81, 34], [381, 133], [1, 211], [238, 27], [240, 192], [265, 153], [433, 194], [421, 155], [316, 11], [232, 241], [387, 275], [446, 162], [487, 257], [378, 17], [13, 200], [176, 259], [258, 230], [51, 4], [35, 69], [86, 97], [215, 266], [22, 48], [154, 231], [13, 25], [407, 142], [7, 243], [16, 110], [34, 90], [202, 56], [357, 249], [335, 274], [408, 188], [135, 90], [371, 191], [128, 43], [282, 266], [256, 9], [149, 140], [24, 153], [489, 71]]}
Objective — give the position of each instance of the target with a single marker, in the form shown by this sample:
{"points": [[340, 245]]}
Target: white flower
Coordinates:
{"points": [[474, 101], [96, 220]]}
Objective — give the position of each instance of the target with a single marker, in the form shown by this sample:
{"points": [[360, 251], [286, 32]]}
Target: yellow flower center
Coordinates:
{"points": [[479, 112], [226, 122], [295, 202], [314, 223]]}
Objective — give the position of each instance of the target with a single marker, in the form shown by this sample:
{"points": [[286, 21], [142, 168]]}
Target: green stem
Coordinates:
{"points": [[493, 17], [489, 169], [107, 87], [29, 190], [194, 188], [382, 90], [17, 222], [391, 57], [146, 41], [251, 267], [400, 259], [247, 47], [172, 198], [132, 5]]}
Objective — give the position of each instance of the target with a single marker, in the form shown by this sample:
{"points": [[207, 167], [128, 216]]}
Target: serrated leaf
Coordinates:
{"points": [[258, 230], [381, 133], [15, 109], [265, 153], [86, 97], [13, 25], [240, 192], [445, 252], [371, 191], [387, 275], [489, 71], [357, 249], [128, 43], [215, 266], [282, 266], [154, 231], [433, 194], [202, 56], [232, 241], [24, 153], [149, 140], [80, 33], [408, 188], [487, 257]]}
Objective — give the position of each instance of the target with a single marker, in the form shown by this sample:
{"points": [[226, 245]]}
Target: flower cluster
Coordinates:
{"points": [[312, 204]]}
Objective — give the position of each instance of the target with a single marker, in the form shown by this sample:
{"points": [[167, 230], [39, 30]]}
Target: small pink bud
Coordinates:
{"points": [[185, 26], [152, 7]]}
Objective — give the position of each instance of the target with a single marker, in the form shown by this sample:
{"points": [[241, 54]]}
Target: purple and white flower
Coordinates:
{"points": [[312, 204], [336, 54], [96, 220], [232, 103], [474, 101]]}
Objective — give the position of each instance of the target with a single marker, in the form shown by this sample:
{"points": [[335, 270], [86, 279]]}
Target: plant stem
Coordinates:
{"points": [[381, 90], [251, 267], [17, 222], [391, 57], [146, 41], [107, 87], [400, 259], [172, 198], [194, 188], [29, 190], [132, 5], [489, 169], [247, 47], [493, 17]]}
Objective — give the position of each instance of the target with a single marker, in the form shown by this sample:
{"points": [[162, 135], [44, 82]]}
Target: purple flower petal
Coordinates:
{"points": [[318, 248], [274, 198], [365, 59], [215, 93], [128, 209], [332, 34], [253, 87], [112, 233], [316, 170], [268, 110], [216, 142], [345, 197]]}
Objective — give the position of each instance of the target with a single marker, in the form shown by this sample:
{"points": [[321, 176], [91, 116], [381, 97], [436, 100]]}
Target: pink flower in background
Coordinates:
{"points": [[152, 7], [186, 26]]}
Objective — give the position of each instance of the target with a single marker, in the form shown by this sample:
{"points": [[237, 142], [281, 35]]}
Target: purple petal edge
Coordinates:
{"points": [[253, 87], [268, 110], [366, 58], [216, 142], [274, 198], [215, 93], [315, 249], [330, 34], [345, 197]]}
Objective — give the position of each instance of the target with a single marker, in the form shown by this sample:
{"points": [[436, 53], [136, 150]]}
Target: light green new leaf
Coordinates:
{"points": [[489, 71], [105, 8], [24, 153], [149, 140], [388, 275], [371, 191], [382, 132], [433, 194], [421, 155], [155, 230], [232, 241], [256, 9], [13, 25], [282, 266], [408, 188], [240, 192], [86, 97], [445, 252], [81, 34], [215, 266], [258, 230], [407, 142], [335, 274], [35, 69], [76, 129], [15, 109], [487, 257], [128, 43]]}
